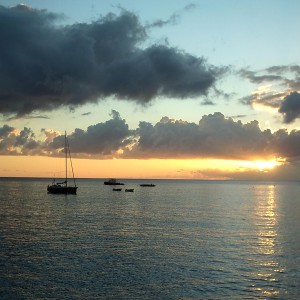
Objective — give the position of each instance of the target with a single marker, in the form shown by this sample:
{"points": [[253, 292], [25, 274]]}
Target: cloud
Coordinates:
{"points": [[25, 135], [49, 134], [238, 116], [254, 78], [161, 23], [215, 136], [86, 114], [290, 107], [14, 142], [45, 66], [28, 117], [5, 131], [285, 78], [282, 172], [102, 140], [265, 98], [287, 145], [173, 19]]}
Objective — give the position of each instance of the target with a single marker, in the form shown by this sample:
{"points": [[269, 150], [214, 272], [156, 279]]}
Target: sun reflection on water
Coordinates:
{"points": [[266, 235]]}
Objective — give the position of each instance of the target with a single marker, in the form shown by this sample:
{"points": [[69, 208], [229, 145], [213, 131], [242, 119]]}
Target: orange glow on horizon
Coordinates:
{"points": [[34, 166]]}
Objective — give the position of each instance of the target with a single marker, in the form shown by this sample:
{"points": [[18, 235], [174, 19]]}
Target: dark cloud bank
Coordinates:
{"points": [[215, 136], [44, 66]]}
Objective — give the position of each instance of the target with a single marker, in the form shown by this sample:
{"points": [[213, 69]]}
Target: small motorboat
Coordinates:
{"points": [[129, 190], [147, 184], [117, 190], [112, 181]]}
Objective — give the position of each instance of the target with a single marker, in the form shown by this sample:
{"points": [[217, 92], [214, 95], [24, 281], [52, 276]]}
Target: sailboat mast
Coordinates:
{"points": [[66, 158], [69, 152]]}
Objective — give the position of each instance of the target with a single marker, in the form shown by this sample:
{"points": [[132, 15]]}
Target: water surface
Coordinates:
{"points": [[178, 240]]}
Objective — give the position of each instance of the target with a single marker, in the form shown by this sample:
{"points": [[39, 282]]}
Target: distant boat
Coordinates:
{"points": [[63, 187], [129, 190], [147, 184], [117, 190], [112, 181]]}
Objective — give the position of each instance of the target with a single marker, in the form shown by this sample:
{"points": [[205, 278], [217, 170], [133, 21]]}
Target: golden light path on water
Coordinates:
{"points": [[267, 220]]}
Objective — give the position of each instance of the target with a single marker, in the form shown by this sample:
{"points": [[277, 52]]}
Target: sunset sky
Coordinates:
{"points": [[151, 89]]}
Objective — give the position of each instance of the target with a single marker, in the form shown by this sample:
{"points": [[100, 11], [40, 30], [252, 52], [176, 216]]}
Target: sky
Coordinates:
{"points": [[151, 89]]}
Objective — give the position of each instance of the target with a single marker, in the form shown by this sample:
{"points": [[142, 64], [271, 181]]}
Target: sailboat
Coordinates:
{"points": [[63, 187]]}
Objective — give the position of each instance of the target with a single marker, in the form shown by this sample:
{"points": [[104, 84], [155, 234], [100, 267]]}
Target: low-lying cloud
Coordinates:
{"points": [[215, 136]]}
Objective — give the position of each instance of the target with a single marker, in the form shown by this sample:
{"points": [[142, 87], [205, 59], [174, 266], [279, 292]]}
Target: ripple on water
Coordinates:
{"points": [[179, 240]]}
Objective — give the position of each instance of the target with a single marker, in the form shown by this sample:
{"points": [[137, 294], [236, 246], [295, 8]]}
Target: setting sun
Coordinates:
{"points": [[261, 165]]}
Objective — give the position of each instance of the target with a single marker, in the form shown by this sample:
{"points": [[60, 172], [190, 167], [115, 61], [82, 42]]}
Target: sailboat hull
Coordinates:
{"points": [[62, 187], [55, 189]]}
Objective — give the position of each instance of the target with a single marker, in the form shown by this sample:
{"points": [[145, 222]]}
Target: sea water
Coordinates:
{"points": [[177, 240]]}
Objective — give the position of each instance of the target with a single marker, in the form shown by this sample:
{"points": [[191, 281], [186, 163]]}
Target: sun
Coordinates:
{"points": [[262, 165]]}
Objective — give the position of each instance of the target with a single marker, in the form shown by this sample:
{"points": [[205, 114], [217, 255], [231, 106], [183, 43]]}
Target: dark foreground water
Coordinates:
{"points": [[178, 240]]}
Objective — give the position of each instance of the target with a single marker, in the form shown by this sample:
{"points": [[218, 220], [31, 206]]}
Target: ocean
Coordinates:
{"points": [[178, 240]]}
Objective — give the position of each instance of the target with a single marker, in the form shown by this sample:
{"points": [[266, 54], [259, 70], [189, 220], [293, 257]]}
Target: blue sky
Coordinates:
{"points": [[251, 46]]}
